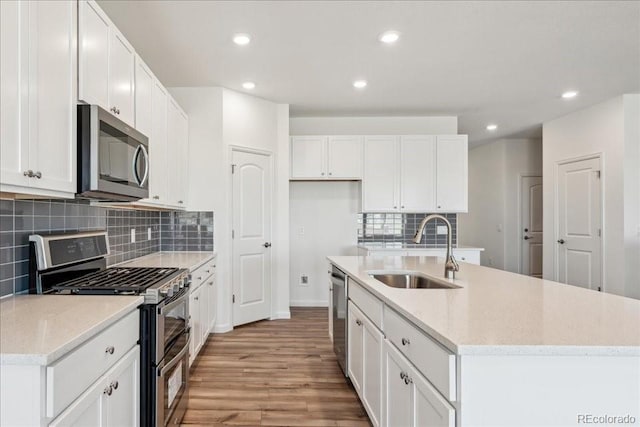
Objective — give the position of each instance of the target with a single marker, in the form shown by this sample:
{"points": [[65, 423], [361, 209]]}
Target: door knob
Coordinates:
{"points": [[526, 237], [267, 244], [561, 241]]}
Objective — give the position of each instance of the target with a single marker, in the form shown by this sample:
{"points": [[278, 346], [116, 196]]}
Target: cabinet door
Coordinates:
{"points": [[194, 319], [380, 181], [14, 36], [330, 306], [52, 95], [93, 54], [418, 173], [452, 177], [398, 405], [144, 98], [87, 410], [121, 76], [212, 283], [177, 135], [372, 342], [344, 157], [355, 360], [430, 408], [204, 312], [158, 176], [183, 158], [308, 156], [122, 405]]}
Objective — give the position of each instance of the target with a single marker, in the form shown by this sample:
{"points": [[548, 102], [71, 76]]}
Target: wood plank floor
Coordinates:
{"points": [[273, 373]]}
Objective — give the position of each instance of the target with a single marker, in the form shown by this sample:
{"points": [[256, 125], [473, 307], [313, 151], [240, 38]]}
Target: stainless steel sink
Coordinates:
{"points": [[408, 280]]}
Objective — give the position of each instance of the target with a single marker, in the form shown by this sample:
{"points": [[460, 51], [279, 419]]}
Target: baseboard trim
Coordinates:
{"points": [[281, 315], [221, 329], [309, 303]]}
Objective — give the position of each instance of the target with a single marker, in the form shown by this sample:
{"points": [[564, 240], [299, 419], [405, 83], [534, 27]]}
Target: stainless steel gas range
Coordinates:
{"points": [[75, 263]]}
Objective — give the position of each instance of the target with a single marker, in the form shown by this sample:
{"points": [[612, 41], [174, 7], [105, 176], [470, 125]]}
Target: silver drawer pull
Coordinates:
{"points": [[408, 380], [199, 278], [108, 391], [114, 384], [403, 375], [208, 271], [110, 349], [405, 341], [358, 322]]}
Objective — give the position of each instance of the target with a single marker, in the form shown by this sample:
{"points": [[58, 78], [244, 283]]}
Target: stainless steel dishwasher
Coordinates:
{"points": [[339, 292]]}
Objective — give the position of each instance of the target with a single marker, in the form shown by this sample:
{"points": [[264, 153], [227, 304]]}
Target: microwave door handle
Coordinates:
{"points": [[146, 166], [134, 165]]}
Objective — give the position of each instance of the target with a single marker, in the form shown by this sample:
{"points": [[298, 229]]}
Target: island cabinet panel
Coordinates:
{"points": [[434, 361], [365, 361], [371, 306]]}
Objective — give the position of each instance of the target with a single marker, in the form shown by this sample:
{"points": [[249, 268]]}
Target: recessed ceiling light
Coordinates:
{"points": [[249, 85], [360, 84], [570, 94], [389, 37], [242, 39], [492, 127]]}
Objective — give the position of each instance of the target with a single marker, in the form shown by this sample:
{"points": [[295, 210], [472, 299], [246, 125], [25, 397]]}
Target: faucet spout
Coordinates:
{"points": [[450, 266]]}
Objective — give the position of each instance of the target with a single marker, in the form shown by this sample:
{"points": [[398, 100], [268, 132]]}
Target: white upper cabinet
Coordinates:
{"points": [[380, 184], [326, 157], [107, 63], [178, 134], [38, 127], [308, 157], [452, 173], [158, 176], [417, 173], [143, 98]]}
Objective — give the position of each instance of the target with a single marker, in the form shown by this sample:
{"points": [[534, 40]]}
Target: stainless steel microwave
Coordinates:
{"points": [[113, 157]]}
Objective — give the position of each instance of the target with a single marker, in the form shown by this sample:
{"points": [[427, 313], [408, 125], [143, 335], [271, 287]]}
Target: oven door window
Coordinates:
{"points": [[123, 160], [175, 323]]}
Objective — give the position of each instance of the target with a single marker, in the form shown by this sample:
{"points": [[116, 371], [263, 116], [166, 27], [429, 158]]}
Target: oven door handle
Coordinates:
{"points": [[175, 360]]}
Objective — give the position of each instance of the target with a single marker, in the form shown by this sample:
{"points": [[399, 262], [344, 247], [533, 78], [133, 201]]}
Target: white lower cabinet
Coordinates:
{"points": [[195, 307], [410, 400], [113, 400], [202, 306], [365, 361]]}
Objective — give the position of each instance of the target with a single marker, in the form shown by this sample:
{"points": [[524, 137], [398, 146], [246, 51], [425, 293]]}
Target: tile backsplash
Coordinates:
{"points": [[20, 218], [400, 227]]}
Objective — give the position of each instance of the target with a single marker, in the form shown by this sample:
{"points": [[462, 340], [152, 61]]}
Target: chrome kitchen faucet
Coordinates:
{"points": [[450, 265]]}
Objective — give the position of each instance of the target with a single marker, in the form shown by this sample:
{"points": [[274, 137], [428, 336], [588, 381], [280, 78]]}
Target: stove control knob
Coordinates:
{"points": [[164, 292]]}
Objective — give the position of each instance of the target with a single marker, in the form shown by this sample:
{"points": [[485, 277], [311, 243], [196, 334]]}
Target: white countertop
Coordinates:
{"points": [[409, 246], [190, 260], [497, 312], [38, 329]]}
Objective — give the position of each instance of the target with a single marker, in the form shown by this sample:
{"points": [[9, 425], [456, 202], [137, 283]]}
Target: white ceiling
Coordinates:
{"points": [[500, 62]]}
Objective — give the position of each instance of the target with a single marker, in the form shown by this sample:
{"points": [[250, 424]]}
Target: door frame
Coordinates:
{"points": [[270, 156], [556, 203], [521, 176]]}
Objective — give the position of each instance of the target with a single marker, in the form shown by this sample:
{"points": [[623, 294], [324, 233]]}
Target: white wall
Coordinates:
{"points": [[597, 130], [323, 222], [494, 205], [218, 119], [632, 195], [445, 125]]}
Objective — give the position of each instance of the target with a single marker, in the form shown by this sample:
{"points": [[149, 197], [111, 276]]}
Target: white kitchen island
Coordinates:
{"points": [[502, 349]]}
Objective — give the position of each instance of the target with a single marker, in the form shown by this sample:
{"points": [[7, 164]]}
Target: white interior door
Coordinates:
{"points": [[579, 223], [252, 200], [531, 222]]}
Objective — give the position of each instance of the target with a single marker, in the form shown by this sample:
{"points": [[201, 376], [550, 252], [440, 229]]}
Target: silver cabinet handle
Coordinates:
{"points": [[114, 384], [267, 244], [395, 207], [330, 173], [211, 283], [439, 207], [108, 391], [402, 207], [322, 174], [408, 380], [196, 298], [199, 278], [358, 322], [28, 173], [180, 201], [561, 241], [156, 197], [38, 175], [403, 375], [208, 271], [110, 349], [405, 341]]}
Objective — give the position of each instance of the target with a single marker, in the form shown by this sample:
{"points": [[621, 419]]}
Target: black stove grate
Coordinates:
{"points": [[117, 280]]}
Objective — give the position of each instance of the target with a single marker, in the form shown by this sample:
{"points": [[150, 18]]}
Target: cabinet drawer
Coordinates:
{"points": [[366, 302], [203, 273], [435, 362], [70, 376]]}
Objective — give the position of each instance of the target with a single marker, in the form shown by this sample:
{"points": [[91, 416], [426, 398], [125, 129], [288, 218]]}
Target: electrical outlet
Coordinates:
{"points": [[133, 235], [304, 280], [149, 233], [441, 229]]}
